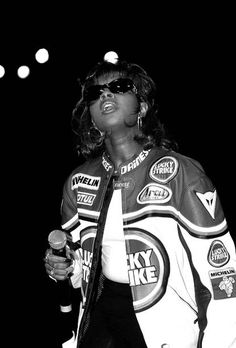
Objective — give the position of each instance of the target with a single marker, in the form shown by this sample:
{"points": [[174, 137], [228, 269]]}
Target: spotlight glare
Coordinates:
{"points": [[23, 71], [111, 57], [42, 55], [2, 71]]}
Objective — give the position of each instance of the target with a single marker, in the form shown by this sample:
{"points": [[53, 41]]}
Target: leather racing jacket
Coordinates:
{"points": [[180, 256]]}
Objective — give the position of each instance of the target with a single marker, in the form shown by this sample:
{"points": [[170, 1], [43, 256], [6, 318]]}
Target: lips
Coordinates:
{"points": [[108, 106]]}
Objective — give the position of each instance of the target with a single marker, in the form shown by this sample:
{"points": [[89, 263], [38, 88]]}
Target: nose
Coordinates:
{"points": [[106, 94]]}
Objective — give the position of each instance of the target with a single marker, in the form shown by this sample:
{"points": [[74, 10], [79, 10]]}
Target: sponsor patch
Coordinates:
{"points": [[85, 198], [148, 268], [135, 163], [208, 199], [218, 255], [147, 265], [86, 181], [154, 193], [124, 183], [106, 164], [223, 283], [164, 169]]}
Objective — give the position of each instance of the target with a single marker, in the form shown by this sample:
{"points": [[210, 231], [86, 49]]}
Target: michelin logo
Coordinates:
{"points": [[85, 181], [223, 283]]}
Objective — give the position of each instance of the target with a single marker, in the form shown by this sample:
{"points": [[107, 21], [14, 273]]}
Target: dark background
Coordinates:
{"points": [[191, 59]]}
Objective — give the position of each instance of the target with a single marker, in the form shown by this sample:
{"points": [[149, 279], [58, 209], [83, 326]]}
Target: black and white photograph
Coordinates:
{"points": [[118, 179]]}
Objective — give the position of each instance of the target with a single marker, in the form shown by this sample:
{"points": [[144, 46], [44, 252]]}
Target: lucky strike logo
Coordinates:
{"points": [[148, 268], [164, 169], [218, 255], [147, 265]]}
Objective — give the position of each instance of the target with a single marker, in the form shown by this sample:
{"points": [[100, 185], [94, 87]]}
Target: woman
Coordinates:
{"points": [[155, 259]]}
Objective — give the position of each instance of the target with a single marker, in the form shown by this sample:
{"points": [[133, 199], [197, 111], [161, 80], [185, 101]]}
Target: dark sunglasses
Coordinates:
{"points": [[120, 86]]}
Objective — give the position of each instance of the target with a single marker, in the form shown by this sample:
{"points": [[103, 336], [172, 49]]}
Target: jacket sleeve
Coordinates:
{"points": [[69, 215], [70, 224], [211, 253]]}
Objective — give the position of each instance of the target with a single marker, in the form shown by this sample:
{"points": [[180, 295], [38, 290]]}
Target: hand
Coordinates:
{"points": [[57, 267]]}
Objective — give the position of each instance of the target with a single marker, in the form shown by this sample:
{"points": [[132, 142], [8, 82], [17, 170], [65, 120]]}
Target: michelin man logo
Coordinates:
{"points": [[223, 283], [227, 285]]}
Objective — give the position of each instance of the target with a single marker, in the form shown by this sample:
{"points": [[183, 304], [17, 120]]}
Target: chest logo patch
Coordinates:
{"points": [[85, 198], [148, 268], [85, 181], [164, 169], [153, 193], [124, 183], [218, 255]]}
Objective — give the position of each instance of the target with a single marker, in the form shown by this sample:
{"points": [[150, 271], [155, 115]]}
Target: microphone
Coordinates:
{"points": [[57, 241]]}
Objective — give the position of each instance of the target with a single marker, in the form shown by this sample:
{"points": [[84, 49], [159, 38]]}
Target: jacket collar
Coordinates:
{"points": [[127, 166]]}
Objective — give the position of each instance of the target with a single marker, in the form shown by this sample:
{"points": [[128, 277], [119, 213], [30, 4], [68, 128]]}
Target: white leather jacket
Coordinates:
{"points": [[181, 258]]}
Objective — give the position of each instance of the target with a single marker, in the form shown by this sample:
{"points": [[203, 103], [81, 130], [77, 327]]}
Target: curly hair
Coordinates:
{"points": [[88, 140]]}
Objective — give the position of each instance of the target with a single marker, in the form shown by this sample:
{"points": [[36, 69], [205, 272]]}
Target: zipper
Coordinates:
{"points": [[106, 198]]}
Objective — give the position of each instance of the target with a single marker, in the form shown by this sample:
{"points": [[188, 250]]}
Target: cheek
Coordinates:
{"points": [[94, 111], [131, 103]]}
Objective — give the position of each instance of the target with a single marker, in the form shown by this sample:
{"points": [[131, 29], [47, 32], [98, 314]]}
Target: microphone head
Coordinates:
{"points": [[57, 239]]}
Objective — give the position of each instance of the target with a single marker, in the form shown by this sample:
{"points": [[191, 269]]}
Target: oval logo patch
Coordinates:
{"points": [[218, 255], [153, 193], [164, 169]]}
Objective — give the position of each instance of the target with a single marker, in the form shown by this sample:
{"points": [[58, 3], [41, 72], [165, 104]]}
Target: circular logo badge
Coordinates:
{"points": [[164, 169], [218, 255], [148, 267]]}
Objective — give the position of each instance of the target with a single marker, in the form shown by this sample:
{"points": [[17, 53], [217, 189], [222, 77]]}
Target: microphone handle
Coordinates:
{"points": [[64, 286], [59, 252]]}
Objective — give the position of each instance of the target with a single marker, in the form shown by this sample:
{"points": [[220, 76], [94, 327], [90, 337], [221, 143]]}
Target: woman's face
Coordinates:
{"points": [[113, 111]]}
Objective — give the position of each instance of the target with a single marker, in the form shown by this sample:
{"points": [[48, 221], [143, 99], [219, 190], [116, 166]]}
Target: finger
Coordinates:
{"points": [[61, 266], [50, 272], [48, 267], [60, 274], [70, 271], [56, 258]]}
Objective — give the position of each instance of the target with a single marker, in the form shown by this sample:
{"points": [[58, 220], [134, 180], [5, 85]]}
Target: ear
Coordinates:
{"points": [[143, 109]]}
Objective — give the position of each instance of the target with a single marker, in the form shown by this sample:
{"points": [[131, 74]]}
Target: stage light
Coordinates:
{"points": [[2, 71], [111, 57], [42, 55], [23, 71]]}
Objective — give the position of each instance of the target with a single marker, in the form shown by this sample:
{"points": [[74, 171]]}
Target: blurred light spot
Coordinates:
{"points": [[2, 71], [111, 57], [23, 71], [42, 55]]}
